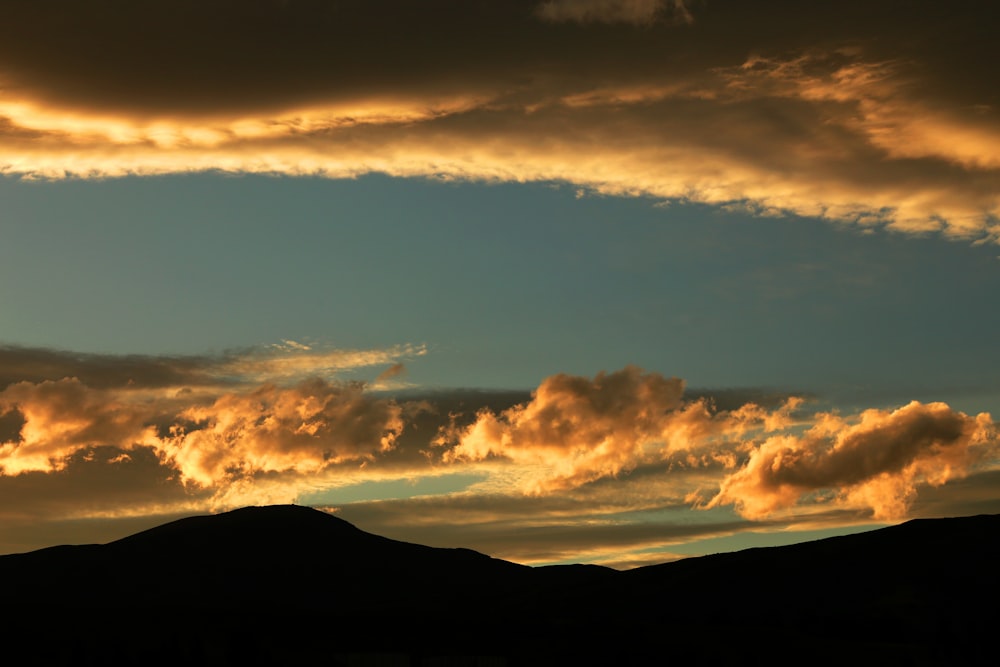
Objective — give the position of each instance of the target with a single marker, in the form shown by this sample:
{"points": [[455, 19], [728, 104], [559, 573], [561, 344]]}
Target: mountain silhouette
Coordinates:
{"points": [[289, 585]]}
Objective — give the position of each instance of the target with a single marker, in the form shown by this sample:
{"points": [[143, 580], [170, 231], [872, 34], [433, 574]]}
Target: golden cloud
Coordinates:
{"points": [[228, 427], [303, 428], [300, 429], [844, 119], [576, 430], [60, 418], [876, 461]]}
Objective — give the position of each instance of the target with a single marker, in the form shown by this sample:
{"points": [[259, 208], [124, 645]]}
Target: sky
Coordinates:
{"points": [[603, 281]]}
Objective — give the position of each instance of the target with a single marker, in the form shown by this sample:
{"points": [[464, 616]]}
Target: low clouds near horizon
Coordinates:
{"points": [[621, 441], [862, 114]]}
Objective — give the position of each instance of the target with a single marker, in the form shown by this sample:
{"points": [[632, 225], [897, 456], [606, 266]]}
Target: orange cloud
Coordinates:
{"points": [[890, 111], [877, 461], [209, 419], [60, 418], [576, 430], [844, 119], [708, 145], [303, 428], [300, 429]]}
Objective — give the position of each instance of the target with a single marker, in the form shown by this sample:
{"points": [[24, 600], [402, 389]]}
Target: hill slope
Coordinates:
{"points": [[289, 585]]}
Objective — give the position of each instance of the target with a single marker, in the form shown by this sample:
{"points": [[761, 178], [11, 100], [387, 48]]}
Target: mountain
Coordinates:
{"points": [[288, 585]]}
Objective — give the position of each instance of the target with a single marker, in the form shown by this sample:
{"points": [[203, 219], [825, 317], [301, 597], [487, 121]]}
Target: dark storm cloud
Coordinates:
{"points": [[177, 56]]}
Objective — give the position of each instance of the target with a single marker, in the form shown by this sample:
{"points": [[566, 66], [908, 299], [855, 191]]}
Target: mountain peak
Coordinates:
{"points": [[266, 526]]}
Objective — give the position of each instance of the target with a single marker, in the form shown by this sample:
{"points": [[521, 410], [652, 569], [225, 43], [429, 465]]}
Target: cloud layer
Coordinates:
{"points": [[840, 110], [123, 437], [221, 427]]}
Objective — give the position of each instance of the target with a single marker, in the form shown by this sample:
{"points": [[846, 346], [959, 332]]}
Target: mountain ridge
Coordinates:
{"points": [[304, 578]]}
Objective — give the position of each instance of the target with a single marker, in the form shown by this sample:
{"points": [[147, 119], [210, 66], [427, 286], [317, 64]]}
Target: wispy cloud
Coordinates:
{"points": [[299, 363], [285, 361]]}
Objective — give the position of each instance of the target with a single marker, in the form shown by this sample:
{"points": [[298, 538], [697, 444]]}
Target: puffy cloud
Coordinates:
{"points": [[579, 429], [303, 428], [860, 114], [576, 430], [60, 418], [208, 419], [876, 461], [300, 429]]}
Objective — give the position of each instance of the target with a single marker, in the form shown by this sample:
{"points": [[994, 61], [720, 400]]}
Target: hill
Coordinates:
{"points": [[288, 585]]}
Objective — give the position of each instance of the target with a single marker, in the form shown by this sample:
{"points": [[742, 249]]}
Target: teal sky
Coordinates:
{"points": [[505, 283], [610, 281]]}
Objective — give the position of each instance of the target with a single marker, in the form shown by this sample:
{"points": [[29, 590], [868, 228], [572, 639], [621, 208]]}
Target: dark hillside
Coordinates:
{"points": [[289, 585]]}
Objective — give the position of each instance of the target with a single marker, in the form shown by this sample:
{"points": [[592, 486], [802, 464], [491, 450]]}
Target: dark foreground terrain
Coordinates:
{"points": [[289, 585]]}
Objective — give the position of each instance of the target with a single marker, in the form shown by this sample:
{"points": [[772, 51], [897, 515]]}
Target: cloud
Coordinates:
{"points": [[283, 362], [602, 468], [60, 418], [876, 461], [25, 364], [613, 11], [99, 481], [632, 430], [577, 430], [298, 363], [212, 420], [303, 428], [391, 378], [860, 115], [628, 433], [300, 429], [570, 527]]}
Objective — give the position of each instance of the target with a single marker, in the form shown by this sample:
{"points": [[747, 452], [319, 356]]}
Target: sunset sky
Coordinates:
{"points": [[608, 281]]}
